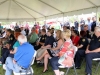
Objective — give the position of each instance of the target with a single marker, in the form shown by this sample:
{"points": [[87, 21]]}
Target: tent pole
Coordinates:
{"points": [[97, 14], [63, 18]]}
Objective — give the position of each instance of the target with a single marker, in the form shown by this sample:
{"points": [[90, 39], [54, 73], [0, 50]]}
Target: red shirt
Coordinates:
{"points": [[75, 40]]}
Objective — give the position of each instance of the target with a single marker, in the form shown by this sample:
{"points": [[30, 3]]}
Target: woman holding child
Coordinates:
{"points": [[66, 51]]}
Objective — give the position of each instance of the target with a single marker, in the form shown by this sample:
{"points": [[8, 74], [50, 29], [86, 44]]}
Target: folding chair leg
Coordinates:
{"points": [[97, 68], [75, 70], [83, 60], [67, 71]]}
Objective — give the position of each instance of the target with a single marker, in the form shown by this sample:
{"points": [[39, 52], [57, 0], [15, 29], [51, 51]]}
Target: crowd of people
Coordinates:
{"points": [[51, 45]]}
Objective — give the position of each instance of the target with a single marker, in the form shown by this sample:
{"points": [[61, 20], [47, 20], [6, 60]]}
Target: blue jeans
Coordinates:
{"points": [[89, 58], [10, 67], [54, 63]]}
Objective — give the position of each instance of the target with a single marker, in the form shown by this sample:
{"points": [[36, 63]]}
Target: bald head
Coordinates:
{"points": [[22, 39]]}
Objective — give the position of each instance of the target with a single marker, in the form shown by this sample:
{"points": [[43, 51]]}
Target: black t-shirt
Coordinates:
{"points": [[93, 26], [95, 43], [11, 39], [84, 42], [88, 34], [76, 25], [43, 38], [49, 40]]}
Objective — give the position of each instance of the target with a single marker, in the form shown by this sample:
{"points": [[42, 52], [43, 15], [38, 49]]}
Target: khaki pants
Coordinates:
{"points": [[40, 52]]}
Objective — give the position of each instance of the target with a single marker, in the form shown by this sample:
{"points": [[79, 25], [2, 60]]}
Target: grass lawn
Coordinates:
{"points": [[38, 70]]}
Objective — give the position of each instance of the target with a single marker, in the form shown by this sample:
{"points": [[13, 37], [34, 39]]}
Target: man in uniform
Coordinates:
{"points": [[10, 37], [41, 40], [81, 49], [93, 50], [88, 33]]}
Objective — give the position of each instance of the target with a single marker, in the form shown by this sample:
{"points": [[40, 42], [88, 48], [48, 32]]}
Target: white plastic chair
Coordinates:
{"points": [[75, 50], [29, 70], [98, 60]]}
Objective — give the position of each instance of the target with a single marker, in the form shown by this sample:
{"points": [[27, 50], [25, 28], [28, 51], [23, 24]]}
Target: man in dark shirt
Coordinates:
{"points": [[88, 33], [10, 37], [6, 53], [41, 40], [93, 50], [76, 24], [82, 23], [93, 24], [48, 44], [16, 27], [81, 49]]}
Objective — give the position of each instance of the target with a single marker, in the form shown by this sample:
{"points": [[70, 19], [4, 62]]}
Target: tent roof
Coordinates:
{"points": [[44, 9]]}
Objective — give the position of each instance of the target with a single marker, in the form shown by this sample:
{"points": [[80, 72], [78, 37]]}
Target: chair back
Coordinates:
{"points": [[29, 70], [75, 50], [32, 61]]}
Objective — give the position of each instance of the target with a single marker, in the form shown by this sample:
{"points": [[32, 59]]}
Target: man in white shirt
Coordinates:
{"points": [[23, 31]]}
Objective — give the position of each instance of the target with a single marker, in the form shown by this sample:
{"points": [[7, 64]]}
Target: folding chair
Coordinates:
{"points": [[75, 50], [98, 60], [29, 70]]}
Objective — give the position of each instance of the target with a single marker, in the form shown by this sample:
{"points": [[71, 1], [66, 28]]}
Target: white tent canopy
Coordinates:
{"points": [[45, 9]]}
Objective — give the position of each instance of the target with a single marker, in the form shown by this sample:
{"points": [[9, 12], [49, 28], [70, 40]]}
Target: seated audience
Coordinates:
{"points": [[72, 28], [41, 40], [48, 44], [16, 44], [93, 50], [10, 37], [33, 37], [88, 33], [3, 34], [64, 28], [19, 63], [66, 51], [83, 42], [49, 53], [75, 38], [27, 31], [6, 53]]}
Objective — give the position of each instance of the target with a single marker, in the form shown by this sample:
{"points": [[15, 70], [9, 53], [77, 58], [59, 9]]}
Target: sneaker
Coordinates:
{"points": [[0, 64], [77, 67], [62, 73]]}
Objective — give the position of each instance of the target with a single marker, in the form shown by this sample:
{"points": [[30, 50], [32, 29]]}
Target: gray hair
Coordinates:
{"points": [[22, 39]]}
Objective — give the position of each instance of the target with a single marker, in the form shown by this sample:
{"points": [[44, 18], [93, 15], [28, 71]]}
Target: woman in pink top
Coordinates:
{"points": [[65, 56]]}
